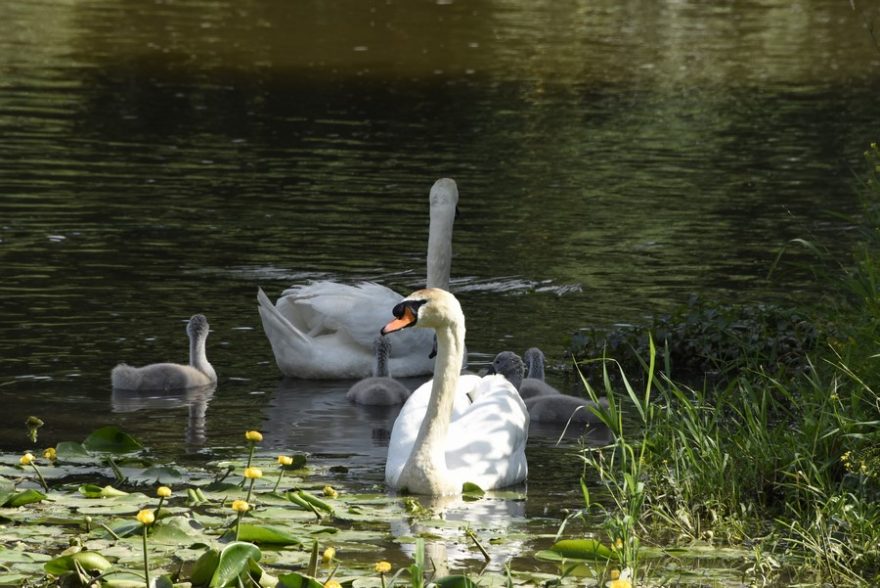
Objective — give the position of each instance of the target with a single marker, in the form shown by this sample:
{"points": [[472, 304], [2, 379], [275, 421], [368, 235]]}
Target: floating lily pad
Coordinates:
{"points": [[266, 534], [88, 560], [111, 440]]}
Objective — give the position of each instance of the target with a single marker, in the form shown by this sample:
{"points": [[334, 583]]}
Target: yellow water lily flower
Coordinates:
{"points": [[163, 491], [285, 460], [253, 473], [620, 579], [332, 584], [330, 492], [382, 567], [50, 454], [27, 459], [328, 555], [253, 436], [240, 506], [146, 517]]}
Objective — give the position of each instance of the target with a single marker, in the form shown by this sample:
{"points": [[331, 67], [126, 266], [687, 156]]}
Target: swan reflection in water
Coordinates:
{"points": [[195, 399]]}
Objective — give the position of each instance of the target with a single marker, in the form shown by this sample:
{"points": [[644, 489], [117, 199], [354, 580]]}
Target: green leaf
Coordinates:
{"points": [[314, 501], [69, 450], [25, 497], [205, 567], [89, 560], [455, 582], [95, 491], [266, 534], [233, 561], [296, 580], [587, 549], [7, 489], [111, 440], [471, 492]]}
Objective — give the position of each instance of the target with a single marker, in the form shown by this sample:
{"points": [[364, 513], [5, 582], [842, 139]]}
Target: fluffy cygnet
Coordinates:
{"points": [[380, 389], [171, 376]]}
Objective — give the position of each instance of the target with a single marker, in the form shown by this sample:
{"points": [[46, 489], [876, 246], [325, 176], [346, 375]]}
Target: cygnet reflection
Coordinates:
{"points": [[195, 399]]}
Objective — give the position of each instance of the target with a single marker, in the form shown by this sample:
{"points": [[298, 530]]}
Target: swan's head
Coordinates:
{"points": [[444, 192], [197, 326], [509, 365], [430, 308]]}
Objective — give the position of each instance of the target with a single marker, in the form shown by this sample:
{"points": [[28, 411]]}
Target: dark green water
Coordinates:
{"points": [[159, 159]]}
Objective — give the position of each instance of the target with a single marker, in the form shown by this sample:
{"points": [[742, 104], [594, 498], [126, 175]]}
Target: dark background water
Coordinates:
{"points": [[163, 158]]}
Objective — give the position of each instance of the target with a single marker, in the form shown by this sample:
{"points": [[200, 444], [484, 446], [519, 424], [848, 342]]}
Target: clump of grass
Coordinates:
{"points": [[785, 462]]}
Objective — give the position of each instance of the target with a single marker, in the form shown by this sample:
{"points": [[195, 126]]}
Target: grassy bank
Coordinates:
{"points": [[778, 450]]}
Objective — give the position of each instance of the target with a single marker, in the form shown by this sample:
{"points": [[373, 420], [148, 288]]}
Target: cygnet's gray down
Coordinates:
{"points": [[549, 407], [380, 389], [533, 384], [559, 408], [171, 376]]}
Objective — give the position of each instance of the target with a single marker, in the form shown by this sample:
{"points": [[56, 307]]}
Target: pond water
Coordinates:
{"points": [[165, 158]]}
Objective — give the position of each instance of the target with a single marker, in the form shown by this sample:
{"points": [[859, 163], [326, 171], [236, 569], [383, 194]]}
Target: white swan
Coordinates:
{"points": [[380, 389], [441, 439], [171, 376], [326, 329]]}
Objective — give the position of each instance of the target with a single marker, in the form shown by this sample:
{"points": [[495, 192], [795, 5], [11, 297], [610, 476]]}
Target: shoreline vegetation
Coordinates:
{"points": [[773, 442], [746, 429]]}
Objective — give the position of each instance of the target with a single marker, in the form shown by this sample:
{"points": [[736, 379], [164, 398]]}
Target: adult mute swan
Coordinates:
{"points": [[326, 329], [441, 439], [380, 389], [171, 376]]}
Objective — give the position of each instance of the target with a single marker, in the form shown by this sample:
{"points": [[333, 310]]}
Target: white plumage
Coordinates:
{"points": [[326, 329]]}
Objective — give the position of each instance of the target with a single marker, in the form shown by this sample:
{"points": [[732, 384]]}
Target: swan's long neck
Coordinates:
{"points": [[380, 370], [198, 358], [440, 246], [425, 472]]}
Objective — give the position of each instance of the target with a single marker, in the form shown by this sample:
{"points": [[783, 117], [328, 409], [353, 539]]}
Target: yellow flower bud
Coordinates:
{"points": [[26, 459], [253, 473], [50, 454], [382, 567], [240, 506], [253, 436], [146, 517], [285, 460], [328, 555], [332, 584], [163, 491], [330, 491]]}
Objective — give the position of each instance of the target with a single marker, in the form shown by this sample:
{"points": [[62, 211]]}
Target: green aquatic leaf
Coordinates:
{"points": [[88, 560], [111, 439], [95, 491], [71, 450], [296, 580], [266, 534], [455, 582], [7, 489], [24, 497], [583, 549], [471, 492], [205, 567], [233, 561]]}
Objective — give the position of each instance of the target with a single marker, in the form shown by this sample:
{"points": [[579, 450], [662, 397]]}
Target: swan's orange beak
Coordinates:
{"points": [[406, 319]]}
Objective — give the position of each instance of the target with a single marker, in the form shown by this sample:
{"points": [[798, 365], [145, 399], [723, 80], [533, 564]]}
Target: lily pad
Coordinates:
{"points": [[88, 560], [111, 440], [233, 561], [266, 534]]}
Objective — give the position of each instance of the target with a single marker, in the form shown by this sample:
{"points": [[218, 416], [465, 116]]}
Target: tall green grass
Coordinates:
{"points": [[786, 464]]}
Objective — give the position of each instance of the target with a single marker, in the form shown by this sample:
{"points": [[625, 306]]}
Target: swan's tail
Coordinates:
{"points": [[286, 340]]}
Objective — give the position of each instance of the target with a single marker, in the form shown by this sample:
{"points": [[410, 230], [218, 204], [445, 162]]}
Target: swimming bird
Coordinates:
{"points": [[533, 384], [380, 389], [325, 329], [544, 403], [441, 438], [171, 376]]}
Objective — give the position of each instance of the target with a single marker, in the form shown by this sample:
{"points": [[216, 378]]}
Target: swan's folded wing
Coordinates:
{"points": [[487, 443]]}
